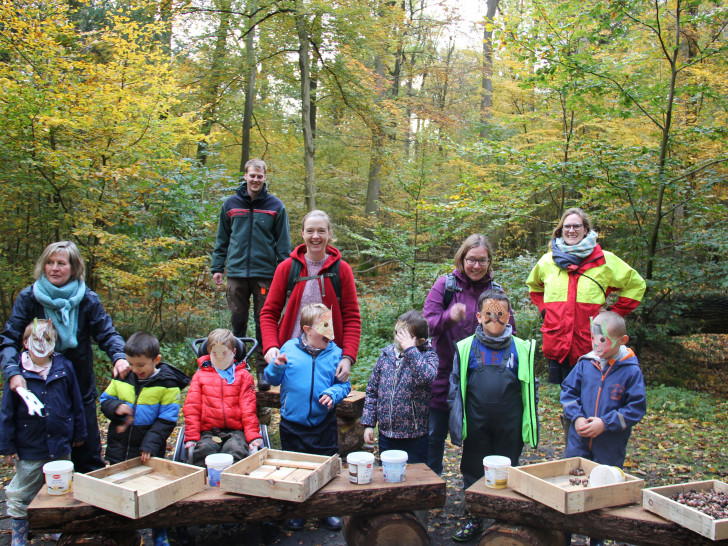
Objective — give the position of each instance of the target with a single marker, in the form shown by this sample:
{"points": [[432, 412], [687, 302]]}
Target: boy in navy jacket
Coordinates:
{"points": [[29, 440], [604, 395]]}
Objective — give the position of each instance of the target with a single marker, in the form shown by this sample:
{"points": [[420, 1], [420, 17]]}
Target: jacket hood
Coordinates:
{"points": [[333, 254], [167, 372], [243, 191], [628, 359], [467, 282]]}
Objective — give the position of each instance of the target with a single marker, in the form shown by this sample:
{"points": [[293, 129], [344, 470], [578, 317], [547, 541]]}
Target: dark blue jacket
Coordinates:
{"points": [[34, 437], [615, 395], [93, 322]]}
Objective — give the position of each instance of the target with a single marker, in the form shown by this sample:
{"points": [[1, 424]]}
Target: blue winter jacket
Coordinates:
{"points": [[615, 395], [93, 323], [304, 379], [34, 437]]}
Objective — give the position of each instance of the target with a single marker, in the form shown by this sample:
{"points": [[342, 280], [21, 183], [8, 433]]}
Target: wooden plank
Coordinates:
{"points": [[130, 474], [292, 464], [657, 500], [422, 490], [632, 523]]}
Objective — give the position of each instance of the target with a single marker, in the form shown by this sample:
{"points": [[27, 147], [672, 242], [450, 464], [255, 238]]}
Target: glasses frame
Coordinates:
{"points": [[483, 262]]}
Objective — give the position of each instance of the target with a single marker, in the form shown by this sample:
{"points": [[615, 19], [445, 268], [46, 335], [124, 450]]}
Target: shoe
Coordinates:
{"points": [[472, 529], [263, 385], [295, 524], [332, 523], [19, 530]]}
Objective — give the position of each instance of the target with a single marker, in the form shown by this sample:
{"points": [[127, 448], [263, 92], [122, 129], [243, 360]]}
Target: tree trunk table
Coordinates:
{"points": [[423, 489], [631, 523]]}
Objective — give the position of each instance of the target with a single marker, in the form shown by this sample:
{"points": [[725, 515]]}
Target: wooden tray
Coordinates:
{"points": [[548, 483], [284, 475], [656, 499], [135, 489]]}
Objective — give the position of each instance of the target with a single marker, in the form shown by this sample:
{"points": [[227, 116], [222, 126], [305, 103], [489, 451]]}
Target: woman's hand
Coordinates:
{"points": [[457, 312], [343, 370], [121, 368], [369, 435], [17, 381], [271, 355]]}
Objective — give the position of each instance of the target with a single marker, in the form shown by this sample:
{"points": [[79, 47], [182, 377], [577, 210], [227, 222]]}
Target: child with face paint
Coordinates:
{"points": [[305, 369], [29, 440], [604, 395], [220, 407], [398, 391], [493, 395]]}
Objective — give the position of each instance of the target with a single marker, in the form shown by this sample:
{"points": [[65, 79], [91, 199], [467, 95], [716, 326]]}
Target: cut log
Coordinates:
{"points": [[124, 538], [520, 535], [351, 435], [403, 529], [350, 407]]}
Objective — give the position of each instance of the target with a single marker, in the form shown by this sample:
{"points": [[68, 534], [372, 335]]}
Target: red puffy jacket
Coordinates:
{"points": [[212, 403]]}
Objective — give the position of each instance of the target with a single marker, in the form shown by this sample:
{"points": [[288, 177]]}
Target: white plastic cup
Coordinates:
{"points": [[605, 475], [361, 467], [496, 471], [394, 463], [58, 477], [216, 463]]}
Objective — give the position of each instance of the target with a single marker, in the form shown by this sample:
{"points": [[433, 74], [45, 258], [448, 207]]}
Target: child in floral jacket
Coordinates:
{"points": [[398, 393]]}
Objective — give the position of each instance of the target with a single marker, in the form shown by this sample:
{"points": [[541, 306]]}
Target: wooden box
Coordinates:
{"points": [[135, 489], [657, 500], [548, 483], [284, 475]]}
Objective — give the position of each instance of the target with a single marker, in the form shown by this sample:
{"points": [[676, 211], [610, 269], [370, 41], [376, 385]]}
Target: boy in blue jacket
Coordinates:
{"points": [[306, 371], [604, 395], [28, 439]]}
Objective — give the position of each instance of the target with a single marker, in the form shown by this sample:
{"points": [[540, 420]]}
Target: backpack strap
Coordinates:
{"points": [[451, 286], [295, 277]]}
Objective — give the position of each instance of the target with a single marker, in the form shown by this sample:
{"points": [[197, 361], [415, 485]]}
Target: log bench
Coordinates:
{"points": [[373, 511], [631, 523]]}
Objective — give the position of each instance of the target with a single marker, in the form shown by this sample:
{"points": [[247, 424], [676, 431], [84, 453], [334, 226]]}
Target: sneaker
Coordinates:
{"points": [[295, 524], [332, 523], [472, 529]]}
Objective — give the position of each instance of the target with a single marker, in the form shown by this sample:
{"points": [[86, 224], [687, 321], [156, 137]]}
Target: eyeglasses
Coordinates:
{"points": [[573, 227], [482, 262]]}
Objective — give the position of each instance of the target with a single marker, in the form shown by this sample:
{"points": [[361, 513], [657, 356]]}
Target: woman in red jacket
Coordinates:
{"points": [[280, 316]]}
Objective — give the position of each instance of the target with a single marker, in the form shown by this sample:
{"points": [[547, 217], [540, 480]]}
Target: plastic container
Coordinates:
{"points": [[58, 477], [394, 463], [361, 467], [605, 475], [216, 463], [496, 471]]}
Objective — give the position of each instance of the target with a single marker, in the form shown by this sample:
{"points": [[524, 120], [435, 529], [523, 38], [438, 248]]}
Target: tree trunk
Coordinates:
{"points": [[249, 94], [309, 151], [403, 529], [486, 101]]}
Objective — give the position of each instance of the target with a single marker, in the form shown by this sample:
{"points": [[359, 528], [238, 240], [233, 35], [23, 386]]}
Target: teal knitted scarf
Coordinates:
{"points": [[61, 305]]}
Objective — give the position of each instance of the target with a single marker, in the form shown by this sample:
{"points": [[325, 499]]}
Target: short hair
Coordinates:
{"points": [[615, 323], [559, 229], [311, 312], [223, 336], [78, 268], [256, 164], [415, 322], [476, 240], [492, 294], [320, 214], [29, 329], [142, 344]]}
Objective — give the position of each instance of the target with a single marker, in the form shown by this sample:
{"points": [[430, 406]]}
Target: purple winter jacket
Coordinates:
{"points": [[446, 333]]}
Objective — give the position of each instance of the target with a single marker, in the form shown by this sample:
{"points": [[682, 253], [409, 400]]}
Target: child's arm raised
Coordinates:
{"points": [[275, 371]]}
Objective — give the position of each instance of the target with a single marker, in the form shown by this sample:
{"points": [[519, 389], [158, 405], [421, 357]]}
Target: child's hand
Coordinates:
{"points": [[190, 444], [593, 428], [369, 435], [256, 445], [281, 359], [405, 339], [124, 410], [327, 401], [10, 459], [457, 312], [271, 355], [145, 456], [17, 381]]}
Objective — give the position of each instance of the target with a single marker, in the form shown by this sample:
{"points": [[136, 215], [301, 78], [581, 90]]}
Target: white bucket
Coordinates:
{"points": [[58, 477], [394, 463], [496, 471], [605, 475], [361, 466], [216, 463]]}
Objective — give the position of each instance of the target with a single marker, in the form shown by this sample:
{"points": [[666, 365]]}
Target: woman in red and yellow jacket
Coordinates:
{"points": [[570, 285]]}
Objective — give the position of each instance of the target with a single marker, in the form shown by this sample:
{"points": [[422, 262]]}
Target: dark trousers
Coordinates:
{"points": [[439, 429], [239, 292], [87, 457], [416, 448], [558, 371], [322, 439], [232, 442]]}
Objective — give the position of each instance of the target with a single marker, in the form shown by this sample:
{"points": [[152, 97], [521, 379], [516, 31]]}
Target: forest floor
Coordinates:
{"points": [[682, 438]]}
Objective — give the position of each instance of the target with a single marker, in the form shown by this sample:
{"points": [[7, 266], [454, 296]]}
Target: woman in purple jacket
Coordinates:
{"points": [[450, 310]]}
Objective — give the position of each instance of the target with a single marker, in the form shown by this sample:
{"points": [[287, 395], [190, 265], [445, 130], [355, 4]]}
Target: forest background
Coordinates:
{"points": [[125, 125]]}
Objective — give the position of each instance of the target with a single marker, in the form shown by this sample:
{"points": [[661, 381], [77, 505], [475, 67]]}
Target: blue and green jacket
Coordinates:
{"points": [[155, 403]]}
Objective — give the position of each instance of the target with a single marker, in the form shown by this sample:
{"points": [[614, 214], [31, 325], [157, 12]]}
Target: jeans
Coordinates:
{"points": [[436, 443], [416, 448]]}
